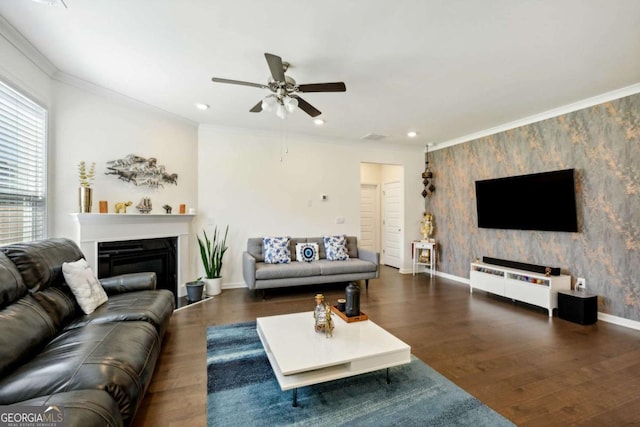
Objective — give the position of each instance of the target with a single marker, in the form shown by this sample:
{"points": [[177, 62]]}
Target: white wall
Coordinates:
{"points": [[243, 183], [21, 73], [96, 128]]}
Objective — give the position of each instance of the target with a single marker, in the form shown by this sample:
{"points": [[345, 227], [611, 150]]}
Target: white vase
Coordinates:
{"points": [[213, 286]]}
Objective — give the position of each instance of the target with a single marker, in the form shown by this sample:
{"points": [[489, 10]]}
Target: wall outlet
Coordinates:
{"points": [[581, 284]]}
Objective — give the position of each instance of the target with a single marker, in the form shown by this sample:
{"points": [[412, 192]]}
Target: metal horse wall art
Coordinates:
{"points": [[141, 171]]}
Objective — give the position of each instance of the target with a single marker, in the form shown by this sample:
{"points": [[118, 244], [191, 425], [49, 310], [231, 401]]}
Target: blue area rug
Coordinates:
{"points": [[243, 391]]}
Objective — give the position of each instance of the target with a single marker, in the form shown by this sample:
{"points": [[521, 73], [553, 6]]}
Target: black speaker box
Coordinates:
{"points": [[578, 307], [554, 271]]}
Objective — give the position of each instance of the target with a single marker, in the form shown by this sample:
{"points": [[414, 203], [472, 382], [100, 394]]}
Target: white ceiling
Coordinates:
{"points": [[445, 68]]}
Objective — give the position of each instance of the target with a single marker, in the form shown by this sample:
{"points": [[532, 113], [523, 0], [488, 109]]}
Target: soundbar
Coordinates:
{"points": [[554, 271]]}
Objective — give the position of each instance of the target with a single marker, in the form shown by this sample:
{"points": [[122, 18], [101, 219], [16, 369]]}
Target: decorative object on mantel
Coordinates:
{"points": [[121, 207], [183, 208], [85, 192], [167, 209], [427, 175], [426, 228], [211, 253], [145, 205], [141, 171], [104, 206]]}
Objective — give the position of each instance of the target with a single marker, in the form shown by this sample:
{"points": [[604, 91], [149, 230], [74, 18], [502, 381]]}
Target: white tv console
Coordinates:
{"points": [[519, 285]]}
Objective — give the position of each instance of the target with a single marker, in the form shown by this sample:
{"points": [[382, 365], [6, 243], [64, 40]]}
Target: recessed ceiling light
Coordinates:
{"points": [[318, 122], [412, 134], [202, 106]]}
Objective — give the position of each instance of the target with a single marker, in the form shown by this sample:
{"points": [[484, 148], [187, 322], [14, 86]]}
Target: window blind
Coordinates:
{"points": [[23, 134]]}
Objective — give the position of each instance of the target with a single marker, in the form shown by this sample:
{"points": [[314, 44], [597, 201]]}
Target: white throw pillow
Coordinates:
{"points": [[84, 285], [307, 252]]}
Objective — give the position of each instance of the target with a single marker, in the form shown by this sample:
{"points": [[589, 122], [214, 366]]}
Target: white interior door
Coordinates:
{"points": [[392, 224], [369, 217]]}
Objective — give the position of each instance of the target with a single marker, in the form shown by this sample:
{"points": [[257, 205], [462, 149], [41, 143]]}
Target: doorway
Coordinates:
{"points": [[381, 211]]}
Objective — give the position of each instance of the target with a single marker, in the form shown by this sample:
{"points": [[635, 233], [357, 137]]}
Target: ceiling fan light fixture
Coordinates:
{"points": [[291, 104], [318, 122], [201, 106], [268, 103], [281, 111], [412, 134]]}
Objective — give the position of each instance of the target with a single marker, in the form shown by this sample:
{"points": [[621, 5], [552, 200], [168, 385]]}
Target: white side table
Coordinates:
{"points": [[418, 247]]}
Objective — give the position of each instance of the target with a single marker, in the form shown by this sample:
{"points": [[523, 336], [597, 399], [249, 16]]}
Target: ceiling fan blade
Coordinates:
{"points": [[238, 82], [306, 107], [323, 87], [257, 108], [275, 66]]}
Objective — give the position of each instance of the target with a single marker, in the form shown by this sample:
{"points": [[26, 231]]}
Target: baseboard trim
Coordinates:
{"points": [[620, 321], [234, 285]]}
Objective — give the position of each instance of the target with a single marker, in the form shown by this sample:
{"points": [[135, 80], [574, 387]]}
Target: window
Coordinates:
{"points": [[23, 135]]}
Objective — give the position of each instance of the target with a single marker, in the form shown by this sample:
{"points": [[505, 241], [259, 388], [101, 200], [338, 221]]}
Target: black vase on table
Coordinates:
{"points": [[353, 300]]}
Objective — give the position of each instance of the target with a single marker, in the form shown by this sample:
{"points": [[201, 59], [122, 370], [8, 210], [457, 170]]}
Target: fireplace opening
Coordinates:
{"points": [[141, 255]]}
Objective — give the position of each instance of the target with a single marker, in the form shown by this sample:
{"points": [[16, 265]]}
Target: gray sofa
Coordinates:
{"points": [[362, 265]]}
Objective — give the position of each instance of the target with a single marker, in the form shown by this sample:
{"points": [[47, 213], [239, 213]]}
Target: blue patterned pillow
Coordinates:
{"points": [[276, 250], [307, 252], [336, 248]]}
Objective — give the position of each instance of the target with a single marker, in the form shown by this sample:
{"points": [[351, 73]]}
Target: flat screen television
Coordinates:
{"points": [[540, 201]]}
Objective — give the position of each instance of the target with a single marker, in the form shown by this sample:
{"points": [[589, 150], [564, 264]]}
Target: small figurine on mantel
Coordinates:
{"points": [[144, 206], [121, 207], [167, 209], [426, 228]]}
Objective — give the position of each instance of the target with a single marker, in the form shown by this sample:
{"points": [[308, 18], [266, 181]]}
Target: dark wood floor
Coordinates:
{"points": [[531, 369]]}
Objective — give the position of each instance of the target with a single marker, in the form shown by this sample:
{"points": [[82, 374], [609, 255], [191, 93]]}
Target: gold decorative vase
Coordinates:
{"points": [[85, 199]]}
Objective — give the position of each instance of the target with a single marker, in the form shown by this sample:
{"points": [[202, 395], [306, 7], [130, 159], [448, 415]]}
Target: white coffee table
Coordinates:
{"points": [[300, 356]]}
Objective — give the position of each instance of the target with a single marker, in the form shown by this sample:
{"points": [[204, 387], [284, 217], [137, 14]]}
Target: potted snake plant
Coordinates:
{"points": [[211, 252]]}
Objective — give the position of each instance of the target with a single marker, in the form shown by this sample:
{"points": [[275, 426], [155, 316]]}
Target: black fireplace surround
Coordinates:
{"points": [[131, 256]]}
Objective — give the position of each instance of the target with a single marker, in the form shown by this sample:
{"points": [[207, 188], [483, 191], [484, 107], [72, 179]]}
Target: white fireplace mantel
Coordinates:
{"points": [[94, 228]]}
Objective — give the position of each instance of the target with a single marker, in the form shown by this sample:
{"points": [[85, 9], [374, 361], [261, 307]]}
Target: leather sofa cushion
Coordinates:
{"points": [[40, 262], [60, 305], [118, 358], [352, 265], [25, 328], [11, 285], [280, 271], [82, 408], [154, 307]]}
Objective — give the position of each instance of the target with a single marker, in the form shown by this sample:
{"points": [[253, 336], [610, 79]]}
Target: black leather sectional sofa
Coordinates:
{"points": [[98, 366]]}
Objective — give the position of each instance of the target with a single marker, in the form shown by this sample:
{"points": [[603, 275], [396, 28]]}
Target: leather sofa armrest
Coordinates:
{"points": [[371, 256], [249, 269], [129, 283]]}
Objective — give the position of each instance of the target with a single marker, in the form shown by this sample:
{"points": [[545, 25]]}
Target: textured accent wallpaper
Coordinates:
{"points": [[602, 143]]}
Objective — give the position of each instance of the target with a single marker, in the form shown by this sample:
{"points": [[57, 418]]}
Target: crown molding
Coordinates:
{"points": [[13, 36], [87, 86], [555, 112]]}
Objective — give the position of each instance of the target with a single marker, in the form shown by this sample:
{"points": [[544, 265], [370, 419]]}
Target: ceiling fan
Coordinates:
{"points": [[284, 90]]}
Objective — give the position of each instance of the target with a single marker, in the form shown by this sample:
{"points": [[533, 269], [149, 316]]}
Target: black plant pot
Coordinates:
{"points": [[194, 290]]}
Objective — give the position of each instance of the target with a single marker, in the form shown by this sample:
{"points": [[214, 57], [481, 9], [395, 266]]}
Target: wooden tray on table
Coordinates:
{"points": [[348, 319]]}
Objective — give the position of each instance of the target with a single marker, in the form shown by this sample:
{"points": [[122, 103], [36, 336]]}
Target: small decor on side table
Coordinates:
{"points": [[426, 228], [322, 316]]}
